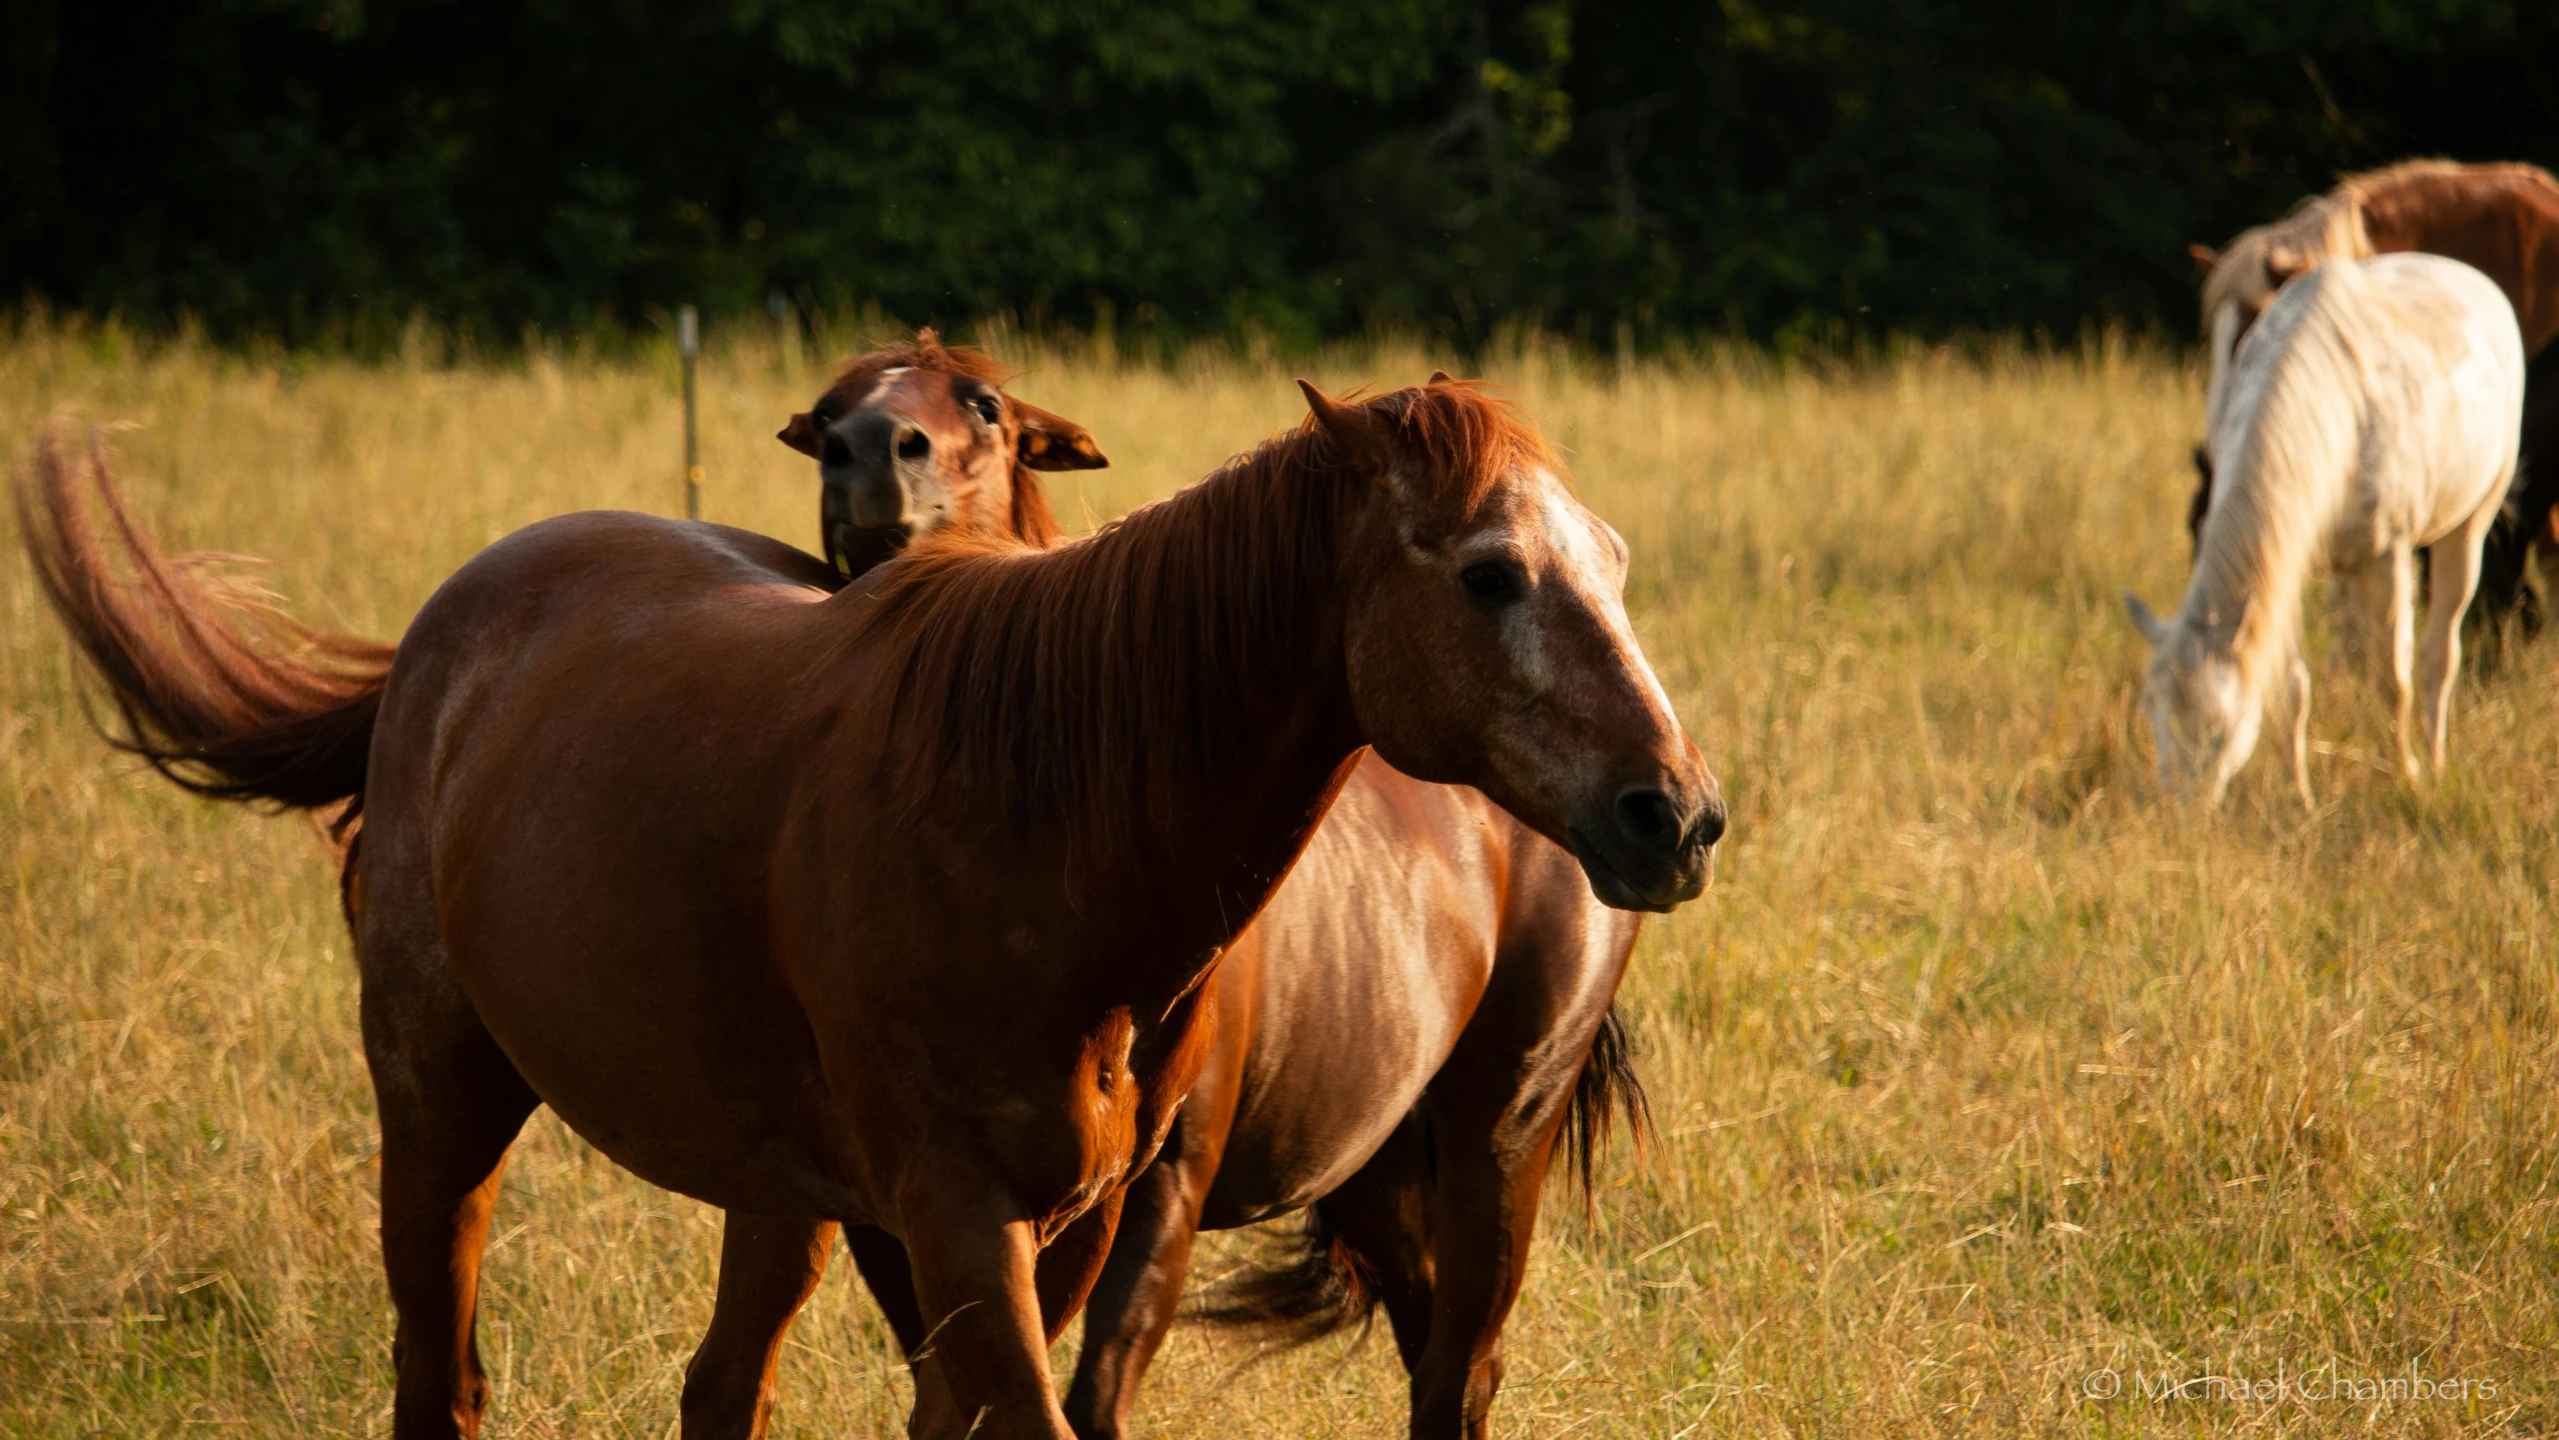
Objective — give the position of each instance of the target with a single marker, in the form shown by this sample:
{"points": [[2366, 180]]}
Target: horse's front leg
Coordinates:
{"points": [[769, 1266], [2296, 720], [1066, 1272], [983, 1369]]}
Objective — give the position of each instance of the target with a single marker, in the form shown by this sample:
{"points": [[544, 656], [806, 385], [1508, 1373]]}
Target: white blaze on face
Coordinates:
{"points": [[1592, 568]]}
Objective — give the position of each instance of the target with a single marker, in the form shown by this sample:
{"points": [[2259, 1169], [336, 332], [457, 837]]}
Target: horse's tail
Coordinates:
{"points": [[216, 689], [1607, 1092], [1318, 1286]]}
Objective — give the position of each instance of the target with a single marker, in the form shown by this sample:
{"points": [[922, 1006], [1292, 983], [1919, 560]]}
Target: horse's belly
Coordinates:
{"points": [[1310, 1133], [1347, 1034], [648, 1016], [1374, 954], [683, 1106], [731, 1148]]}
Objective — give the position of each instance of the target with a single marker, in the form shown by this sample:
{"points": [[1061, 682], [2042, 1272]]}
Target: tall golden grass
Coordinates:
{"points": [[1980, 1073]]}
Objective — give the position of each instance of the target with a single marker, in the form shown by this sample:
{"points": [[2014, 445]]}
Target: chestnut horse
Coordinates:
{"points": [[2503, 220], [1401, 1058], [894, 905]]}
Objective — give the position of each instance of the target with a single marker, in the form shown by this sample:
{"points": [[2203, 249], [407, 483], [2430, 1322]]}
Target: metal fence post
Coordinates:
{"points": [[688, 342]]}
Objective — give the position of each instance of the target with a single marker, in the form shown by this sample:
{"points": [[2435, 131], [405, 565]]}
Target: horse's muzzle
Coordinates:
{"points": [[853, 549], [1648, 851]]}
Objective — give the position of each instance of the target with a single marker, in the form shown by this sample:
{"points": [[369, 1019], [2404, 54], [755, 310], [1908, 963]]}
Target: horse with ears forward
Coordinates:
{"points": [[913, 437], [1418, 1018], [2371, 410], [895, 905]]}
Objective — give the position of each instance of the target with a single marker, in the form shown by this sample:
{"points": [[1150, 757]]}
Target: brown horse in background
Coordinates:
{"points": [[2501, 219], [896, 441], [1399, 1054], [895, 905]]}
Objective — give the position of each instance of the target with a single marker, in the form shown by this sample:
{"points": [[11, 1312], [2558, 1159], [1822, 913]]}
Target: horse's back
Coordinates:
{"points": [[2457, 354], [2502, 219], [580, 639], [569, 818], [2411, 365]]}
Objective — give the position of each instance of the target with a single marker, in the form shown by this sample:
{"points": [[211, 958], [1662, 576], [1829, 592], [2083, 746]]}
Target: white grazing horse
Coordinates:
{"points": [[2372, 410]]}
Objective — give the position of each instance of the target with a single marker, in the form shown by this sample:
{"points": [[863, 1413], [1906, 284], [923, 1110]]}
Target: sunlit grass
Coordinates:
{"points": [[1978, 1070]]}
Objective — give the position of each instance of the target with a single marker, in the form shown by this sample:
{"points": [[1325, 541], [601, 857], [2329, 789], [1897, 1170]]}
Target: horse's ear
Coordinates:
{"points": [[1440, 377], [1050, 441], [2152, 628], [802, 434], [1360, 434], [2205, 257]]}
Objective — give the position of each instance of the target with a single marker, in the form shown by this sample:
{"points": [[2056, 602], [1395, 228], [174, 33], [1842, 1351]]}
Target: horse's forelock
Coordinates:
{"points": [[1467, 435], [925, 352], [1474, 437]]}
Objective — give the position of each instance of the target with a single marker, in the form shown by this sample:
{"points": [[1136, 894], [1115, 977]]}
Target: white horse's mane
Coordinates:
{"points": [[2285, 443]]}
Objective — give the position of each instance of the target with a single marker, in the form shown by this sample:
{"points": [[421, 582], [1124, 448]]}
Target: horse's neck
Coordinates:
{"points": [[1165, 702], [2224, 347], [2283, 472], [1248, 724]]}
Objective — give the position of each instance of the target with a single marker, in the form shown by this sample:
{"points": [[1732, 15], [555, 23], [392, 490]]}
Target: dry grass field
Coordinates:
{"points": [[1982, 1076]]}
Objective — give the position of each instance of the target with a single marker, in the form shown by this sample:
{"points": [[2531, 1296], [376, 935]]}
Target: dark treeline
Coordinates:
{"points": [[1776, 168]]}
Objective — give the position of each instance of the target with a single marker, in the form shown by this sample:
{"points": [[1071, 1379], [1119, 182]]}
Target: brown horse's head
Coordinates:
{"points": [[915, 437], [1487, 644]]}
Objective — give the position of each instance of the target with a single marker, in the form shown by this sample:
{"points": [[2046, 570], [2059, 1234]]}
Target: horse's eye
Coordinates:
{"points": [[986, 408], [1493, 583]]}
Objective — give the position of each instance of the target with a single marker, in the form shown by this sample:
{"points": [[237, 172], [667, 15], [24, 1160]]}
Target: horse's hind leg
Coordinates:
{"points": [[1381, 1215], [451, 1104], [1138, 1293], [2454, 574], [769, 1265], [2387, 592], [1496, 1108]]}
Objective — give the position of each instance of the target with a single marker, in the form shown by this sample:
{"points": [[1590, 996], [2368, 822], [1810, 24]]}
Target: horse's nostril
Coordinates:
{"points": [[1649, 817], [913, 444], [835, 451], [1710, 825]]}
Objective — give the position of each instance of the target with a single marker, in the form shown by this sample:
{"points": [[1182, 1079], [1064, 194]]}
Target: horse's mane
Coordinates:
{"points": [[1101, 682], [2295, 443], [1032, 518]]}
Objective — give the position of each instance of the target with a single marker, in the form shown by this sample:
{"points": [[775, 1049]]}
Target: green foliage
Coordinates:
{"points": [[1787, 169]]}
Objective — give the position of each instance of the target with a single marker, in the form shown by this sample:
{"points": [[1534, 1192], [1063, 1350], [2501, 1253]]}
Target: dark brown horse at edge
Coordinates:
{"points": [[894, 905], [1418, 1015], [2501, 219]]}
